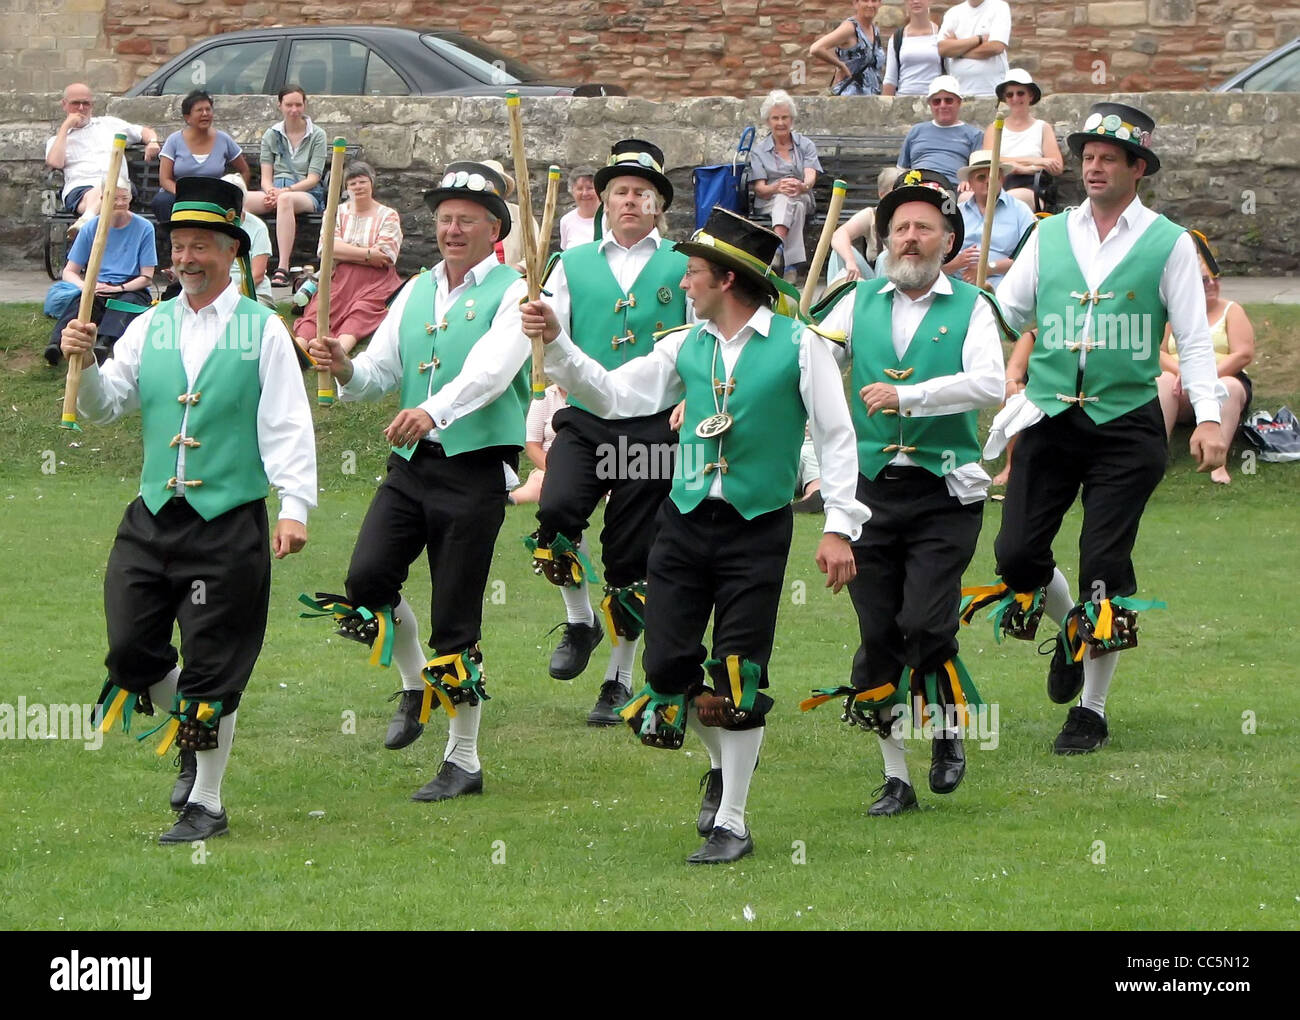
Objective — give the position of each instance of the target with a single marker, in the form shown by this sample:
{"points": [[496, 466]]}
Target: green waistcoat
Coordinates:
{"points": [[434, 353], [604, 325], [761, 450], [220, 434], [938, 443], [1123, 335]]}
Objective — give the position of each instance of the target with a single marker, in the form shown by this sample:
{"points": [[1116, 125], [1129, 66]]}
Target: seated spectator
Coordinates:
{"points": [[511, 250], [125, 275], [1012, 220], [973, 39], [578, 225], [913, 60], [943, 144], [783, 168], [538, 437], [1234, 349], [293, 162], [856, 51], [855, 248], [197, 150], [367, 239], [1028, 145], [259, 250], [81, 149]]}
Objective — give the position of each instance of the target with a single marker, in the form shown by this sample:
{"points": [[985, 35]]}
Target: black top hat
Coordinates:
{"points": [[633, 157], [1125, 126], [209, 203], [735, 243], [477, 183], [923, 186]]}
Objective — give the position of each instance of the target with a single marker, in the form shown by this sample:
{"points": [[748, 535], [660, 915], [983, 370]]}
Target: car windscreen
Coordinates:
{"points": [[480, 61]]}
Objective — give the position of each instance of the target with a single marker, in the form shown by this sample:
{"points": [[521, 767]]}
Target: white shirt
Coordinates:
{"points": [[259, 243], [921, 64], [1181, 293], [284, 428], [576, 229], [86, 151], [980, 383], [489, 367], [978, 77], [651, 382]]}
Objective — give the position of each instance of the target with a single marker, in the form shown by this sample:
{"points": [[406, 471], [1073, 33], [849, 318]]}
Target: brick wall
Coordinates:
{"points": [[662, 48]]}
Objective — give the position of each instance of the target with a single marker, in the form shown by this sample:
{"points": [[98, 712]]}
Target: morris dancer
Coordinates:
{"points": [[750, 380], [451, 342], [1089, 415], [192, 548], [610, 296]]}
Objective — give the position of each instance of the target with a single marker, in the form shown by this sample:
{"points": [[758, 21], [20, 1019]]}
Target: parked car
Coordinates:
{"points": [[1278, 72], [350, 60]]}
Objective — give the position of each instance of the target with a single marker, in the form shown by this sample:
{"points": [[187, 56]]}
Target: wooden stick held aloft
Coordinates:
{"points": [[838, 190], [523, 184], [991, 204], [325, 381]]}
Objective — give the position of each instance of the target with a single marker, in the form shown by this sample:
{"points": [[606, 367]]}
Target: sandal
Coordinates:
{"points": [[280, 278]]}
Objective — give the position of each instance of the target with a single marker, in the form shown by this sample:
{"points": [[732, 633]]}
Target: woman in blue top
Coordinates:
{"points": [[293, 163], [198, 150], [856, 51]]}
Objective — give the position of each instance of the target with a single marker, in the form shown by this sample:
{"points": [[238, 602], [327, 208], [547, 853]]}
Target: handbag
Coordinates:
{"points": [[724, 184], [1275, 438]]}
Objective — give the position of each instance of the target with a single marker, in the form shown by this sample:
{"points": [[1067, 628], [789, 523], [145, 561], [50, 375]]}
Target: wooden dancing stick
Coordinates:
{"points": [[524, 185], [838, 190], [991, 203], [548, 221], [325, 381], [84, 310]]}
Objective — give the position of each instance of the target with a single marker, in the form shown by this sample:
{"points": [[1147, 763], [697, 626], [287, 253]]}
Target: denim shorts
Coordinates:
{"points": [[317, 193]]}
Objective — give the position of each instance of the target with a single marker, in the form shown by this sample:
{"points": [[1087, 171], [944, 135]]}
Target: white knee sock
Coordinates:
{"points": [[739, 758], [891, 749], [163, 693], [578, 605], [622, 660], [462, 737], [1059, 600], [408, 651], [1097, 675], [212, 766], [709, 737]]}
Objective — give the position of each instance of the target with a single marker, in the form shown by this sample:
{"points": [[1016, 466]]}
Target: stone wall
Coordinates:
{"points": [[1231, 165], [662, 48]]}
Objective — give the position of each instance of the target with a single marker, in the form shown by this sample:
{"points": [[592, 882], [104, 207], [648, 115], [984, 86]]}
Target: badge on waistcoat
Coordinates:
{"points": [[714, 425], [665, 296]]}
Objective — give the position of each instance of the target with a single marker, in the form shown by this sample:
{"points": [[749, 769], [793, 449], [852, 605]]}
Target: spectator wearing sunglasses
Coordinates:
{"points": [[1029, 148], [943, 144]]}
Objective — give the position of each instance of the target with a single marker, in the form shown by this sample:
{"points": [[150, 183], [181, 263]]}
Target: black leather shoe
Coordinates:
{"points": [[53, 355], [896, 797], [711, 784], [189, 763], [1084, 731], [573, 652], [613, 696], [1064, 675], [405, 727], [196, 822], [451, 781], [723, 847], [947, 764]]}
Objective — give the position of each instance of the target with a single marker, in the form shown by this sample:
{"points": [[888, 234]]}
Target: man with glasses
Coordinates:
{"points": [[943, 144], [81, 149], [452, 345]]}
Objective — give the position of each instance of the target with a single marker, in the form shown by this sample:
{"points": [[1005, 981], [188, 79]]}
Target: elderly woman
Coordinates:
{"points": [[197, 150], [367, 238], [1028, 144], [293, 162], [1234, 349], [783, 168], [856, 51]]}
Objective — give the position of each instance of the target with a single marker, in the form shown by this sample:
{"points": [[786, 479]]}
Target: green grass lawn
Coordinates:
{"points": [[1184, 821]]}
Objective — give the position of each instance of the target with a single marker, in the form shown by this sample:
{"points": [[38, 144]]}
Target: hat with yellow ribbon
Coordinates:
{"points": [[209, 203], [735, 243]]}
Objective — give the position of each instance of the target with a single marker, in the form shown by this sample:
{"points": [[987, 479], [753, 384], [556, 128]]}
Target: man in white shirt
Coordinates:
{"points": [[81, 148], [452, 346], [724, 533], [919, 388], [192, 548], [1088, 414], [974, 38]]}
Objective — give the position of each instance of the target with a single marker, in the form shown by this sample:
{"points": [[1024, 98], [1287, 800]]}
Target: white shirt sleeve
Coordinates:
{"points": [[1018, 292], [378, 369], [831, 429], [489, 366], [979, 384], [643, 386], [109, 392], [285, 436], [1000, 30], [891, 63], [1184, 298]]}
